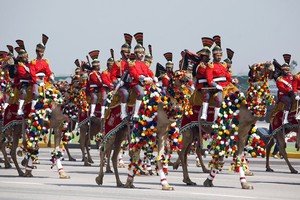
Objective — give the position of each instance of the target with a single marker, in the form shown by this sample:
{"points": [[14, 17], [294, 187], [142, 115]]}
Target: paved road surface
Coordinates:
{"points": [[46, 184]]}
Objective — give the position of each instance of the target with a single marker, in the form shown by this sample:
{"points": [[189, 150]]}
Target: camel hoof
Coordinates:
{"points": [[129, 184], [109, 171], [208, 183], [247, 186], [64, 176], [72, 159], [36, 162], [99, 180], [269, 170], [167, 187], [90, 161], [7, 166], [87, 164], [120, 184], [294, 171], [175, 166], [28, 173], [21, 174], [249, 173], [189, 182], [24, 162], [121, 165]]}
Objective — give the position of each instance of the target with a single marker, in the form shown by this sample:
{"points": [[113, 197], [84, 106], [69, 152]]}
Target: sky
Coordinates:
{"points": [[256, 30]]}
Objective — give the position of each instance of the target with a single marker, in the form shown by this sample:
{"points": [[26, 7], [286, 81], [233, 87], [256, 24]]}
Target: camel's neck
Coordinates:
{"points": [[259, 97]]}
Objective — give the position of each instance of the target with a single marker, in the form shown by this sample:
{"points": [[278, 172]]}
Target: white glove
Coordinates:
{"points": [[41, 84], [52, 77], [155, 79], [148, 79], [297, 97], [121, 83], [219, 87], [142, 78]]}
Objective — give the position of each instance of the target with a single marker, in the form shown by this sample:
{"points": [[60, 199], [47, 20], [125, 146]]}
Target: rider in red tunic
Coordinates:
{"points": [[39, 70], [118, 70], [140, 73], [285, 87], [169, 73], [217, 75], [201, 83], [22, 78]]}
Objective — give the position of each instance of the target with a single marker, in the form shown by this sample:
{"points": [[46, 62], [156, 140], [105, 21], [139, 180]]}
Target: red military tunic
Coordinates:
{"points": [[22, 74], [95, 80], [217, 72], [284, 85], [106, 79], [166, 79], [137, 69], [115, 70], [39, 66], [296, 83], [201, 75]]}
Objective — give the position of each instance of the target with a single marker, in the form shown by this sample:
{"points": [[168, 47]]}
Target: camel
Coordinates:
{"points": [[182, 81], [279, 131], [236, 120]]}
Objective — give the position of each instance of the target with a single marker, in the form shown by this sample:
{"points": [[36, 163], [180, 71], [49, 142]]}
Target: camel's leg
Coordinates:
{"points": [[49, 139], [108, 151], [88, 145], [57, 139], [6, 160], [82, 141], [62, 174], [66, 146], [186, 143], [99, 178], [118, 142], [209, 180], [268, 150], [135, 157], [199, 153], [161, 143], [282, 146], [14, 155]]}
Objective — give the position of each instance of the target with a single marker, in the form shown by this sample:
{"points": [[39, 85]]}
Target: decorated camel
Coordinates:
{"points": [[156, 126]]}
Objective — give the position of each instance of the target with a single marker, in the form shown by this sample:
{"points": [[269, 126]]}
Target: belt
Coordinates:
{"points": [[218, 79], [93, 85], [40, 74], [24, 81]]}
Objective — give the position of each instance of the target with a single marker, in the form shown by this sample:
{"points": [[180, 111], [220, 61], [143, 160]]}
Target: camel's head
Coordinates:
{"points": [[184, 80], [261, 71]]}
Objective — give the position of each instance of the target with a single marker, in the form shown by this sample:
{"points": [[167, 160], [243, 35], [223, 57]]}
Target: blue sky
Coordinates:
{"points": [[256, 30]]}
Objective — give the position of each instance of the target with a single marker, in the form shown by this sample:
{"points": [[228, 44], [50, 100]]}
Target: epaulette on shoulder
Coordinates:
{"points": [[279, 78], [33, 61], [104, 72], [118, 63], [297, 75], [131, 63], [147, 64], [210, 65], [224, 64], [202, 65], [47, 61]]}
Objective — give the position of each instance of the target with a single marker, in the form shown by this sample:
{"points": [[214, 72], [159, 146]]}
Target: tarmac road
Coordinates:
{"points": [[46, 185]]}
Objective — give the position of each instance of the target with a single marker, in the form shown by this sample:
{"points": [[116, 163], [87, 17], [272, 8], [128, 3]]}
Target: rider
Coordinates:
{"points": [[140, 73], [95, 82], [217, 75], [117, 71], [285, 90], [148, 57], [107, 82], [228, 60], [204, 54], [169, 70], [39, 70], [22, 78]]}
